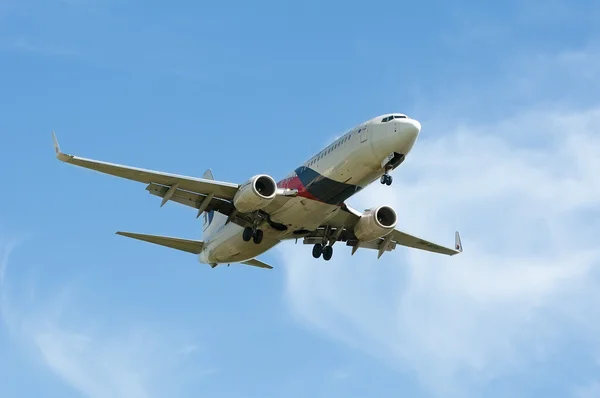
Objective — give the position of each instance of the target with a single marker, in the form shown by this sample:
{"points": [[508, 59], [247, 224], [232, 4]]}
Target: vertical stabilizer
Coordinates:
{"points": [[208, 175]]}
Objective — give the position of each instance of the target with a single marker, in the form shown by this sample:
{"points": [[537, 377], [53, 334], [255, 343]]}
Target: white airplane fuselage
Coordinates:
{"points": [[324, 182]]}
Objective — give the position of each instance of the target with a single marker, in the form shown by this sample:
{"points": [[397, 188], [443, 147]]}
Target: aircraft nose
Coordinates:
{"points": [[409, 127]]}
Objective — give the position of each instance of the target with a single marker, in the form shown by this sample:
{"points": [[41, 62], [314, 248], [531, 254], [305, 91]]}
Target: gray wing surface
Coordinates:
{"points": [[345, 220], [186, 245], [257, 263], [223, 190], [199, 193]]}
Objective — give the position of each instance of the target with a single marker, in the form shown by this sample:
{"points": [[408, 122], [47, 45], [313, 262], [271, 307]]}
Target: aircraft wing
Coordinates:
{"points": [[223, 190], [404, 239], [344, 222], [199, 193]]}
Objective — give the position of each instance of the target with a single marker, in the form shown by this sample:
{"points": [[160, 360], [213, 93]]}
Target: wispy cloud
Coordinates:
{"points": [[525, 193], [188, 349], [341, 374], [134, 360]]}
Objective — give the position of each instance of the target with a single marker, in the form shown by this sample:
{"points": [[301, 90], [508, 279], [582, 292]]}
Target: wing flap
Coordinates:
{"points": [[191, 199], [186, 245]]}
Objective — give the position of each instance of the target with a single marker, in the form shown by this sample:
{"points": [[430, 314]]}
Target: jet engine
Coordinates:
{"points": [[375, 223], [255, 194]]}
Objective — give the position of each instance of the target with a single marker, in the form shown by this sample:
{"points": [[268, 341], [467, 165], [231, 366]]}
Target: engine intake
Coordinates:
{"points": [[255, 194], [375, 223]]}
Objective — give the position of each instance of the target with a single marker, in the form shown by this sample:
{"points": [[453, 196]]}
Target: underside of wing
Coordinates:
{"points": [[223, 190], [202, 194], [340, 229], [404, 239], [198, 201]]}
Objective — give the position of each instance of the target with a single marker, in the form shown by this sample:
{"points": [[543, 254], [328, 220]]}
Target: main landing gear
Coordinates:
{"points": [[326, 251], [325, 248], [252, 233]]}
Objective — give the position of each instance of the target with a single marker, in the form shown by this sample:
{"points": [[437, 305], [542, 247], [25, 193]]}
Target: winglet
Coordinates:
{"points": [[61, 156], [457, 242]]}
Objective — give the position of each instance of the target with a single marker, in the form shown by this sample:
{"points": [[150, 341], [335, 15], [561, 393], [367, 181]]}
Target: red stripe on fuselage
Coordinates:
{"points": [[295, 183]]}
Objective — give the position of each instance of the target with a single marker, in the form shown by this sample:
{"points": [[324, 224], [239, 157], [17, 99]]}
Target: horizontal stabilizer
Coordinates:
{"points": [[186, 245], [257, 263]]}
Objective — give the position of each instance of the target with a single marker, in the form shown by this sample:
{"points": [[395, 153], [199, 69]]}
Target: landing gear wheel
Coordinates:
{"points": [[317, 250], [258, 236], [327, 253], [386, 179], [247, 234]]}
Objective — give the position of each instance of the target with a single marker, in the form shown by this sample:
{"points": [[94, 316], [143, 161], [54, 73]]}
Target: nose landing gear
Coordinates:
{"points": [[386, 179], [388, 164]]}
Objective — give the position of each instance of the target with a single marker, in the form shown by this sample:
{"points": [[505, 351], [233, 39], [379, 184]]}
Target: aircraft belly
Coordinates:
{"points": [[301, 213], [228, 246]]}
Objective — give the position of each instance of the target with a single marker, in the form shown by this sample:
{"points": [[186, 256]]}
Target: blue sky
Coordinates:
{"points": [[507, 95]]}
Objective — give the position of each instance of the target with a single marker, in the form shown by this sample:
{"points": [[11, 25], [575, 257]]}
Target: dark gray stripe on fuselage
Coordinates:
{"points": [[325, 189]]}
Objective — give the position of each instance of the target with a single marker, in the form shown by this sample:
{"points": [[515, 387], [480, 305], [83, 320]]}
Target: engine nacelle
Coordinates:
{"points": [[375, 223], [255, 194]]}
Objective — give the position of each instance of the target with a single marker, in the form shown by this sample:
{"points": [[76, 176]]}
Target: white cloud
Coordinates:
{"points": [[525, 194], [134, 361]]}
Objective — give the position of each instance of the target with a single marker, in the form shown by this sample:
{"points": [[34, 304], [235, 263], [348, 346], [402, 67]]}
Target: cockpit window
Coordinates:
{"points": [[388, 118]]}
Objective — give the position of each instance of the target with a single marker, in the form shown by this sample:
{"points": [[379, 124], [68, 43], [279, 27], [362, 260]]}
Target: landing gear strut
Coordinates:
{"points": [[252, 233], [326, 251]]}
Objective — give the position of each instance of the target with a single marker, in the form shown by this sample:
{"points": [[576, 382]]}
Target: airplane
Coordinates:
{"points": [[243, 221]]}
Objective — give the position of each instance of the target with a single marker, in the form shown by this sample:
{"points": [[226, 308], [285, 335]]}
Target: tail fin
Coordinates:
{"points": [[212, 220], [208, 175]]}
